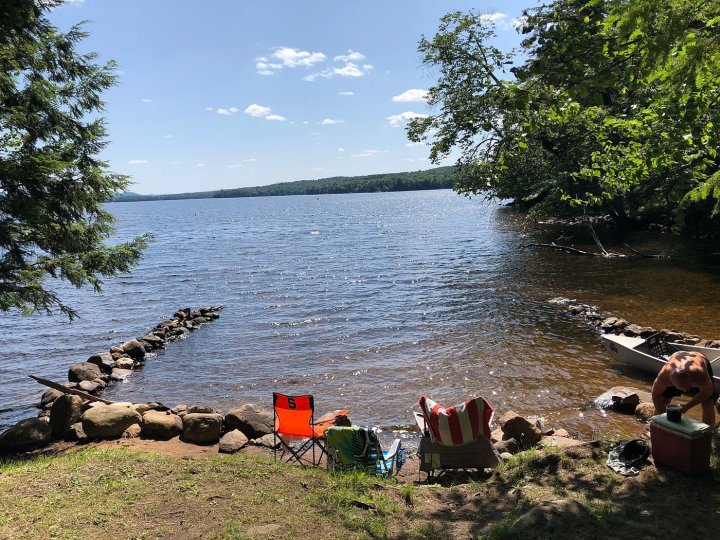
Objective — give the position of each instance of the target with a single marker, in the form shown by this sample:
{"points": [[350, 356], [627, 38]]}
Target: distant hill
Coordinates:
{"points": [[439, 178]]}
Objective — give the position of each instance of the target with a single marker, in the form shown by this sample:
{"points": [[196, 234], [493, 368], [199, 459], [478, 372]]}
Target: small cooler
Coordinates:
{"points": [[683, 445]]}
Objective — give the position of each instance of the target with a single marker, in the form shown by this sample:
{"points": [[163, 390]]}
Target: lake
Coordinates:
{"points": [[366, 301]]}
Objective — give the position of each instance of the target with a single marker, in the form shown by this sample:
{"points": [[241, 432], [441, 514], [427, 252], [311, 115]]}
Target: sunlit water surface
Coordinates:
{"points": [[366, 301]]}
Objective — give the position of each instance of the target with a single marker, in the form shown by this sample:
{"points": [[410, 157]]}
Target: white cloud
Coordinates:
{"points": [[518, 22], [223, 111], [350, 68], [352, 56], [500, 20], [413, 144], [294, 58], [287, 57], [275, 118], [414, 95], [330, 122], [399, 120], [250, 160], [209, 109], [257, 110], [146, 100], [235, 166], [138, 161], [346, 93], [341, 149], [369, 153], [168, 136], [200, 164], [234, 110]]}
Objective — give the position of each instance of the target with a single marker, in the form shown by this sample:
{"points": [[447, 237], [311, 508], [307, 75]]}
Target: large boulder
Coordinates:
{"points": [[49, 397], [232, 441], [109, 421], [161, 425], [623, 398], [118, 374], [522, 430], [66, 411], [134, 349], [84, 371], [253, 420], [27, 434], [202, 428], [103, 360]]}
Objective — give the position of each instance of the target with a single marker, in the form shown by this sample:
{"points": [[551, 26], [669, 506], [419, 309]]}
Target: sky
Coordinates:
{"points": [[223, 94]]}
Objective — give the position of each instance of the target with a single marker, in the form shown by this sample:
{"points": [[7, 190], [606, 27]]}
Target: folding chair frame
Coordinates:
{"points": [[301, 449]]}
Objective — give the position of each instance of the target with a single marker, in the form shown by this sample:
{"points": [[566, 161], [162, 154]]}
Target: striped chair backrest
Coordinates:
{"points": [[459, 424]]}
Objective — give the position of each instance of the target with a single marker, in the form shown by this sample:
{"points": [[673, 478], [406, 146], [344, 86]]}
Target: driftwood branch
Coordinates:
{"points": [[648, 255], [566, 249], [67, 390]]}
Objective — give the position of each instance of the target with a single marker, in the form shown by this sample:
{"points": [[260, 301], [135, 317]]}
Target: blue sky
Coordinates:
{"points": [[224, 94]]}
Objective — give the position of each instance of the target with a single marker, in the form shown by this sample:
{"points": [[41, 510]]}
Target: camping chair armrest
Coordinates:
{"points": [[392, 452]]}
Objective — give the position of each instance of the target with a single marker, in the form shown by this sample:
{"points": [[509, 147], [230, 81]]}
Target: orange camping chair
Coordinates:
{"points": [[296, 430]]}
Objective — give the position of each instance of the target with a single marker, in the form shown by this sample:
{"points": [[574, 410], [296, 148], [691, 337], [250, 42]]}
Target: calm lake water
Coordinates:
{"points": [[365, 301]]}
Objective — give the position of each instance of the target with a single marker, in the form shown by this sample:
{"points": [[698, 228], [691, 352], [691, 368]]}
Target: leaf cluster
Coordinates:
{"points": [[608, 107], [52, 182]]}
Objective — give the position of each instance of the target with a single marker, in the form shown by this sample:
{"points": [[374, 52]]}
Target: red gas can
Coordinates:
{"points": [[683, 445]]}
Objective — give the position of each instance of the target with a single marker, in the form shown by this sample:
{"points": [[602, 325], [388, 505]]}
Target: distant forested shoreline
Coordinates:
{"points": [[438, 178]]}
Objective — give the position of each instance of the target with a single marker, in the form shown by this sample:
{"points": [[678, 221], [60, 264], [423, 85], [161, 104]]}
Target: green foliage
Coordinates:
{"points": [[52, 184], [438, 178], [610, 107]]}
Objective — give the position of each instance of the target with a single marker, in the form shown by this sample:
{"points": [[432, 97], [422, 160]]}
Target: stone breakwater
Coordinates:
{"points": [[607, 323]]}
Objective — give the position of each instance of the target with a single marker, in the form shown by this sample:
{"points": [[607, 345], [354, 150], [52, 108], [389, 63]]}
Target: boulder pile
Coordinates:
{"points": [[517, 433], [609, 324], [103, 368], [72, 418]]}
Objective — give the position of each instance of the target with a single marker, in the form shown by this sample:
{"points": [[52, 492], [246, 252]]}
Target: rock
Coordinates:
{"points": [[153, 340], [561, 433], [124, 363], [104, 361], [576, 310], [75, 433], [505, 456], [200, 409], [632, 330], [202, 428], [84, 371], [623, 399], [27, 434], [141, 408], [510, 446], [120, 374], [66, 411], [116, 350], [177, 409], [48, 397], [266, 441], [89, 386], [496, 436], [645, 411], [109, 421], [160, 425], [232, 441], [516, 427], [251, 419], [671, 335], [550, 517], [559, 441], [132, 432], [134, 349], [182, 314]]}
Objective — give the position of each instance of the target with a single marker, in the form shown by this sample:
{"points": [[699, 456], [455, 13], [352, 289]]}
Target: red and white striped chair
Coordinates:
{"points": [[455, 437]]}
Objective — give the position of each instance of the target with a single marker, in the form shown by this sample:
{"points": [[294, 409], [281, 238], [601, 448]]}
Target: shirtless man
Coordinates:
{"points": [[686, 372]]}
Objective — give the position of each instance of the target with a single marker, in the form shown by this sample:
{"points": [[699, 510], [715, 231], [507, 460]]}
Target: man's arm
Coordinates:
{"points": [[662, 381]]}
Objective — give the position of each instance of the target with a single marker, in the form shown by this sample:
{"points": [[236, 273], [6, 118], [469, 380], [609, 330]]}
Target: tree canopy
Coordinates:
{"points": [[608, 107], [52, 182]]}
